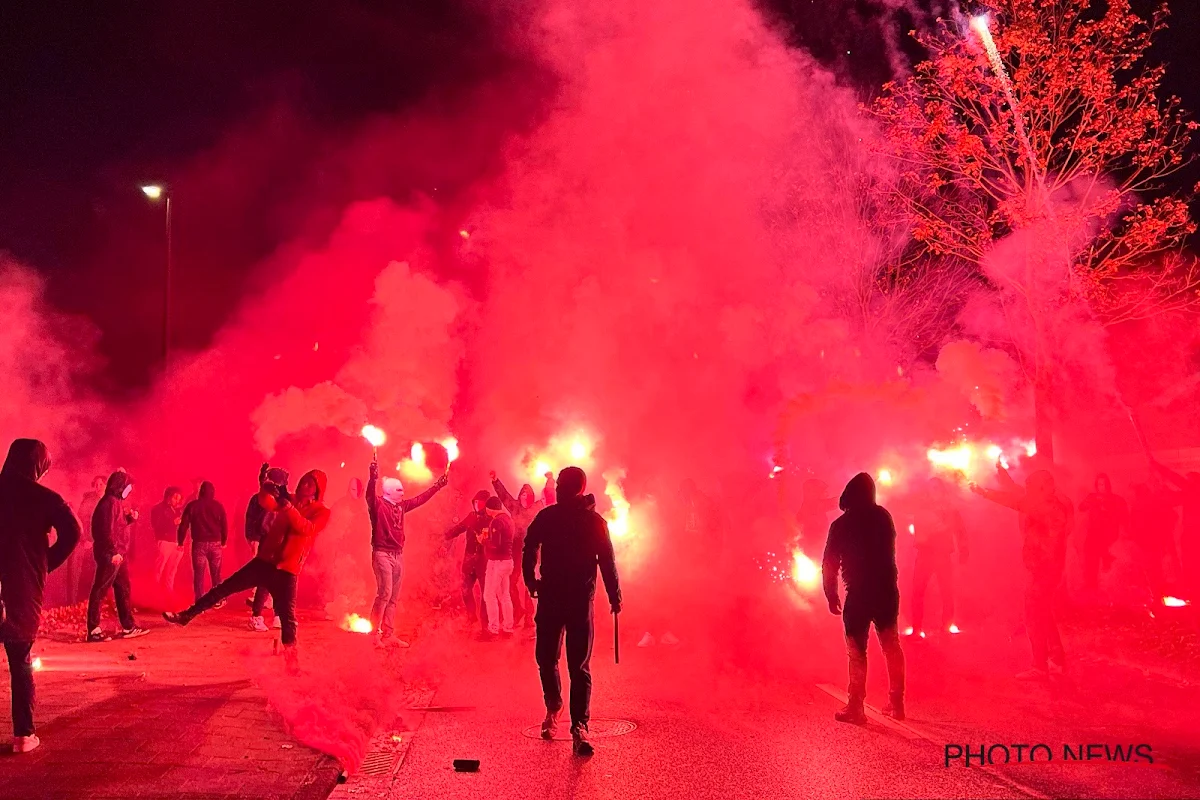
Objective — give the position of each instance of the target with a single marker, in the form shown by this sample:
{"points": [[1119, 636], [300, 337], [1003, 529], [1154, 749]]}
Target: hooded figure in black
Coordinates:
{"points": [[573, 541], [474, 563], [28, 511], [862, 547], [111, 534], [205, 517]]}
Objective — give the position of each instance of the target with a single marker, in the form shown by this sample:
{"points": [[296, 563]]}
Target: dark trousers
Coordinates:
{"points": [[1040, 622], [109, 575], [474, 571], [205, 555], [556, 620], [281, 585], [930, 565], [20, 668], [1096, 558], [858, 615]]}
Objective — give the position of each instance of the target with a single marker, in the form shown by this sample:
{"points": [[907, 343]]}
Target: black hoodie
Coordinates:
{"points": [[861, 544], [205, 516], [574, 541], [28, 511], [110, 522]]}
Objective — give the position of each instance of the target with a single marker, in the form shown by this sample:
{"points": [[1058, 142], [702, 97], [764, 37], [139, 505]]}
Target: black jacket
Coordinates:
{"points": [[573, 541], [206, 518], [861, 545], [28, 511], [473, 525], [110, 523]]}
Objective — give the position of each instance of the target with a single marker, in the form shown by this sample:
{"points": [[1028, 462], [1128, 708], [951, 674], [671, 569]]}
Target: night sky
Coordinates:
{"points": [[241, 108]]}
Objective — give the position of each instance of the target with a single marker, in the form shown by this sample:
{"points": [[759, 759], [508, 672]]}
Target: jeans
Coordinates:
{"points": [[111, 576], [280, 584], [475, 571], [556, 619], [497, 595], [929, 565], [521, 599], [166, 564], [882, 611], [205, 554], [1039, 620], [388, 566], [20, 668]]}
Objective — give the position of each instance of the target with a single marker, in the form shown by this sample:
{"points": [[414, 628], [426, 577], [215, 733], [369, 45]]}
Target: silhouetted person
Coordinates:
{"points": [[112, 533], [862, 547], [1045, 519], [474, 563], [78, 579], [28, 511], [164, 520], [1105, 514], [258, 521], [523, 508], [573, 541], [938, 533], [1153, 521], [387, 509], [1188, 497], [206, 519]]}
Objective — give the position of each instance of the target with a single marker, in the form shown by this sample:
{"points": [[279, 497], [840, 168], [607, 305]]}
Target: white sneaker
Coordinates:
{"points": [[668, 639], [276, 623], [647, 640], [258, 624], [24, 744]]}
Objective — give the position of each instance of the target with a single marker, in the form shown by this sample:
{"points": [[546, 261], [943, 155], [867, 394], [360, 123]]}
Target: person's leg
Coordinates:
{"points": [[580, 631], [198, 561], [123, 594], [504, 572], [886, 619], [383, 589], [1054, 645], [945, 579], [856, 620], [1035, 623], [389, 610], [550, 631], [161, 559], [922, 571], [173, 568], [491, 596], [254, 573], [105, 573], [214, 564], [282, 586], [20, 668], [468, 591]]}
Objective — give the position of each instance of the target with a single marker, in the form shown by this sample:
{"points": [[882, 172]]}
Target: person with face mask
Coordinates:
{"points": [[522, 508], [206, 519], [164, 520], [1106, 514], [498, 549], [258, 522], [28, 511], [1045, 519], [112, 534], [862, 547], [281, 556], [386, 509], [474, 563]]}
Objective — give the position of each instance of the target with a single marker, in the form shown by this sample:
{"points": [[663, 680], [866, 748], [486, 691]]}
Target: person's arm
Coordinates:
{"points": [[372, 484], [608, 568], [1008, 499], [224, 527], [425, 496], [303, 525], [185, 523], [459, 529], [68, 529], [507, 499], [533, 541], [1006, 480], [104, 522], [831, 565]]}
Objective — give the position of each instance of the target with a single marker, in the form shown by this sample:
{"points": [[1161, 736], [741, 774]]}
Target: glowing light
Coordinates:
{"points": [[954, 628], [356, 624], [417, 453], [374, 435], [37, 664], [153, 191], [994, 452], [955, 458], [579, 450], [908, 631], [775, 471], [464, 233], [1175, 602], [451, 445], [912, 528], [981, 24], [921, 634], [541, 468], [414, 468], [343, 465], [885, 477], [1031, 449], [805, 572], [618, 516]]}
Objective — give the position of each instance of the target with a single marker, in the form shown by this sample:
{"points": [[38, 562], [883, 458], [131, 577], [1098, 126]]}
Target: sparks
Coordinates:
{"points": [[981, 24], [912, 528], [37, 664], [356, 624], [451, 445], [955, 458], [374, 435]]}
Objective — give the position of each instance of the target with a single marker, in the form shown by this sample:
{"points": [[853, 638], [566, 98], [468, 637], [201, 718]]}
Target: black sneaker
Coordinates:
{"points": [[550, 724], [580, 746], [175, 618], [852, 713], [895, 709], [133, 633], [98, 636]]}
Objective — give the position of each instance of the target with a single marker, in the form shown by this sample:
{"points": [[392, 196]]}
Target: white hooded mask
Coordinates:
{"points": [[393, 490]]}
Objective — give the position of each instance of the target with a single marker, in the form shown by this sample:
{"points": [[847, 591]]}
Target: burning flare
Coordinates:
{"points": [[1175, 602], [451, 445], [374, 435], [805, 573], [356, 624], [618, 516]]}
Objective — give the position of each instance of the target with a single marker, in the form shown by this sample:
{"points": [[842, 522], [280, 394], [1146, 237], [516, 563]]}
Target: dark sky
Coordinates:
{"points": [[97, 98]]}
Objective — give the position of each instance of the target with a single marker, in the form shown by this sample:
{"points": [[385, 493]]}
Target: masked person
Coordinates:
{"points": [[572, 541], [522, 508], [387, 510], [164, 520], [862, 547], [498, 550], [206, 519], [1105, 514], [28, 511], [111, 532], [281, 556], [474, 563], [938, 532], [258, 522], [1045, 519]]}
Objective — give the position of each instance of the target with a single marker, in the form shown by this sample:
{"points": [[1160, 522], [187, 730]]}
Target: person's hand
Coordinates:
{"points": [[117, 559], [133, 515], [616, 608], [974, 487], [444, 479], [835, 607], [492, 475], [535, 588], [549, 476], [375, 468]]}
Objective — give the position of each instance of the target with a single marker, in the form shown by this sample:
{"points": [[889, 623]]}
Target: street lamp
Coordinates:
{"points": [[156, 192]]}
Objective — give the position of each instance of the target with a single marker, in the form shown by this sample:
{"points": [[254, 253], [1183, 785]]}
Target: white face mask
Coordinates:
{"points": [[125, 492], [393, 490]]}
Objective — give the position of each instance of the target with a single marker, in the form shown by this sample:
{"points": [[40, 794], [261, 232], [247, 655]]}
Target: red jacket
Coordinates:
{"points": [[290, 538]]}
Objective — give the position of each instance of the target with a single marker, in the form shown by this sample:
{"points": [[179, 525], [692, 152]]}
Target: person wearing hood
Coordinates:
{"points": [[111, 537], [862, 547], [386, 509], [1106, 514], [164, 520], [77, 579], [280, 558], [938, 533], [206, 519], [28, 511], [498, 549], [572, 541], [523, 508], [258, 522], [474, 563], [1045, 519]]}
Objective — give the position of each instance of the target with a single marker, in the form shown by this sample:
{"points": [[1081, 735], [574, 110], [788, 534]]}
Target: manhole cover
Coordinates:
{"points": [[597, 729]]}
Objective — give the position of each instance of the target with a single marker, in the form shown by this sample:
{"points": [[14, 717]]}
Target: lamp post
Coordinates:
{"points": [[156, 192]]}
